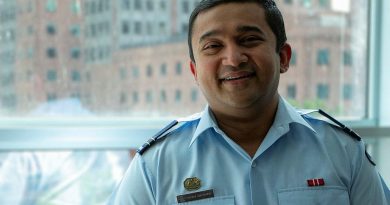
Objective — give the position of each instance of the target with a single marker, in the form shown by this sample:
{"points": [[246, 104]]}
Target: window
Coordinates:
{"points": [[135, 97], [323, 57], [137, 4], [306, 3], [45, 81], [186, 6], [149, 71], [51, 75], [76, 76], [178, 68], [293, 60], [93, 7], [100, 6], [126, 4], [75, 30], [177, 95], [291, 91], [50, 97], [163, 69], [149, 5], [75, 53], [123, 73], [135, 72], [51, 29], [7, 79], [184, 28], [163, 96], [347, 92], [322, 91], [9, 101], [162, 29], [137, 27], [75, 7], [194, 95], [324, 3], [123, 98], [149, 97], [125, 27], [51, 53], [149, 28], [347, 58], [51, 5], [163, 6]]}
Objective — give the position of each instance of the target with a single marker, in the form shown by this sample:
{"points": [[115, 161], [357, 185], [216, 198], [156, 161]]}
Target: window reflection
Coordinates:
{"points": [[101, 40], [61, 177]]}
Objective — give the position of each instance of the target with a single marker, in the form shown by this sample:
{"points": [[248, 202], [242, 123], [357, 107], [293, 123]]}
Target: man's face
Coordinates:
{"points": [[236, 63]]}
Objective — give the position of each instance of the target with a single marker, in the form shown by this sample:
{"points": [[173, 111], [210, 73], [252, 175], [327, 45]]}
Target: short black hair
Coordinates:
{"points": [[273, 17]]}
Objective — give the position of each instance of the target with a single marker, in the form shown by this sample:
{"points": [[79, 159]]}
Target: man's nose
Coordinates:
{"points": [[234, 56]]}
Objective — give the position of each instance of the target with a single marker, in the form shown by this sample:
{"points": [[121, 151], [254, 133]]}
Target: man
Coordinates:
{"points": [[249, 146]]}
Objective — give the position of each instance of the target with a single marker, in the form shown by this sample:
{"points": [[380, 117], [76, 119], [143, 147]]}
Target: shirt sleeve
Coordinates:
{"points": [[367, 185], [136, 186]]}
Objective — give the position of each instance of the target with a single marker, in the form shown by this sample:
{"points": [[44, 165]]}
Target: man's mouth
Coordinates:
{"points": [[238, 77]]}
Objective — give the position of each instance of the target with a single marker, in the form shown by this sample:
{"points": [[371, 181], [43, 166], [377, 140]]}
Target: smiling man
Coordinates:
{"points": [[249, 146]]}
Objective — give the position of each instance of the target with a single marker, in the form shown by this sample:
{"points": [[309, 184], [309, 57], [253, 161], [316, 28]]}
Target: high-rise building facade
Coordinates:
{"points": [[130, 57]]}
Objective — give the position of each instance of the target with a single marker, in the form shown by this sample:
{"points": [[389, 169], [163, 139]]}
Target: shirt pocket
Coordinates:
{"points": [[319, 196], [222, 200]]}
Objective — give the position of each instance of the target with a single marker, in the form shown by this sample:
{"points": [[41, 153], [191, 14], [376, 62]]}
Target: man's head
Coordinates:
{"points": [[236, 57], [274, 19]]}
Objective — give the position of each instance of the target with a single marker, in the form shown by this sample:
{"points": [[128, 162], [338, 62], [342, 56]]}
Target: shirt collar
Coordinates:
{"points": [[206, 121], [285, 115]]}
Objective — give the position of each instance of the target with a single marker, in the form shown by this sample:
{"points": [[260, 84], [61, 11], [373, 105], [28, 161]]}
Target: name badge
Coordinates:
{"points": [[195, 196]]}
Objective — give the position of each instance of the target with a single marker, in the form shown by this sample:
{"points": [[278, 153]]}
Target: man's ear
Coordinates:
{"points": [[285, 57], [193, 70]]}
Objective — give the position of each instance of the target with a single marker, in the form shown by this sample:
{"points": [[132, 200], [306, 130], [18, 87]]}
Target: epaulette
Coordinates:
{"points": [[165, 130], [346, 129], [343, 127]]}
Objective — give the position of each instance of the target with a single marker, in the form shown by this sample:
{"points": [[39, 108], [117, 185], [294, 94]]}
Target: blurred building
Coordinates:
{"points": [[129, 57]]}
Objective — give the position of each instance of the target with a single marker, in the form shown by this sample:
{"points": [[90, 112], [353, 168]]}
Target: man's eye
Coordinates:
{"points": [[211, 46], [251, 39]]}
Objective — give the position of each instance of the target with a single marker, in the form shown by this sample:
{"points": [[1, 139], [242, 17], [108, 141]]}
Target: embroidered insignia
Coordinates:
{"points": [[191, 184], [315, 182]]}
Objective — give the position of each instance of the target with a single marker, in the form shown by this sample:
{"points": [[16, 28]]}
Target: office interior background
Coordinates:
{"points": [[83, 83]]}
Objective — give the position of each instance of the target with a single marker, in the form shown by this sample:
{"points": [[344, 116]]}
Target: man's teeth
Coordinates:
{"points": [[233, 78], [236, 78]]}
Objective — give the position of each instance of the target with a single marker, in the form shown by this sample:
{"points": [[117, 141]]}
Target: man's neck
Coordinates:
{"points": [[249, 128]]}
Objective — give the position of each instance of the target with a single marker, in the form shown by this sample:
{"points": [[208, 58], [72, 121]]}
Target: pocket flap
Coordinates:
{"points": [[318, 196]]}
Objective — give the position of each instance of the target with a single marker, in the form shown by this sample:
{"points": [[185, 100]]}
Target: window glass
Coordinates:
{"points": [[75, 6], [330, 49], [328, 38], [129, 59], [322, 91], [293, 60], [51, 29], [64, 177], [51, 5], [51, 75], [323, 57]]}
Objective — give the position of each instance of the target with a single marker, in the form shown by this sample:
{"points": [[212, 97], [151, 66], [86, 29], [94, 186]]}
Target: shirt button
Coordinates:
{"points": [[254, 164]]}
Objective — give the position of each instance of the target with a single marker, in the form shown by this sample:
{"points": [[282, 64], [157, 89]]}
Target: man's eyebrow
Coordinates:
{"points": [[208, 34], [243, 29], [240, 29]]}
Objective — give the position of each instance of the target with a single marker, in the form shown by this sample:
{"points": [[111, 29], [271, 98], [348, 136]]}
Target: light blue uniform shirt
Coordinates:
{"points": [[296, 149]]}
